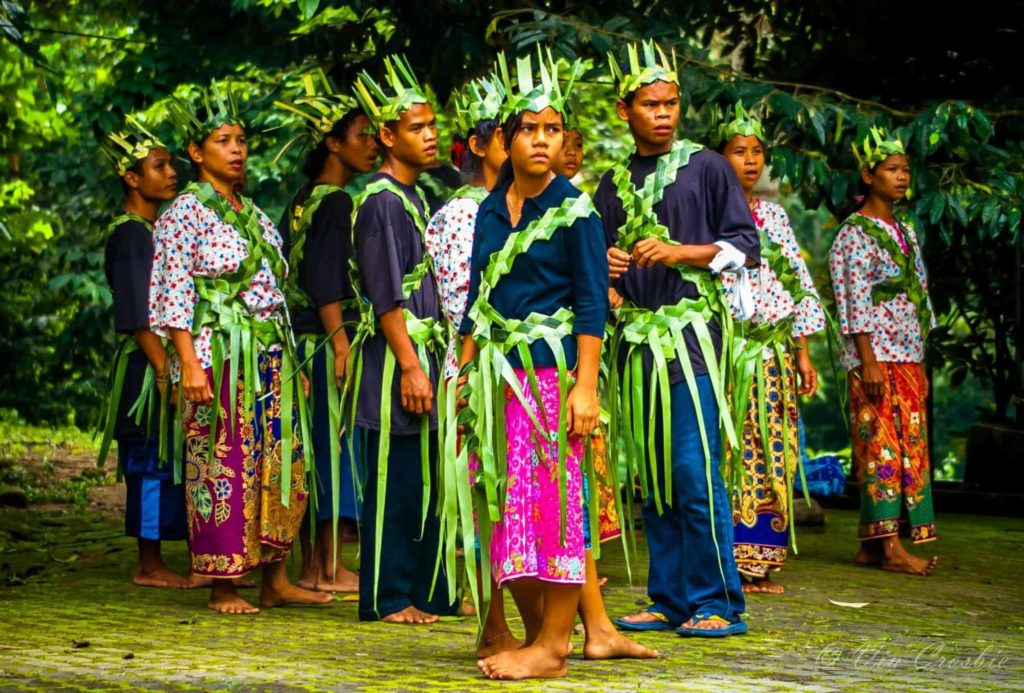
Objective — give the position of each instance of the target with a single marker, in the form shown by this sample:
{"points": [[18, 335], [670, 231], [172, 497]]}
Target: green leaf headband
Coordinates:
{"points": [[381, 107], [130, 146], [320, 107], [868, 157], [656, 67], [221, 109], [524, 94], [744, 124], [479, 100]]}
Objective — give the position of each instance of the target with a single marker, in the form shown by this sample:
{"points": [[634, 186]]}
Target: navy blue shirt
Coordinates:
{"points": [[568, 271], [128, 262], [703, 205], [324, 265], [388, 246]]}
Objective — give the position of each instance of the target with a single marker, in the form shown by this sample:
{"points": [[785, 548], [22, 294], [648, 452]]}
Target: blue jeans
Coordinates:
{"points": [[691, 572]]}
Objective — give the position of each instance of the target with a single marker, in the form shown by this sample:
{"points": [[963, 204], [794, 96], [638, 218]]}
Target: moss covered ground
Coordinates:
{"points": [[71, 620]]}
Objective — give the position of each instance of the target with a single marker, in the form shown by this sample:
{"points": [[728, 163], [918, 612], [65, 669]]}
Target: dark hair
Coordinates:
{"points": [[853, 204], [465, 159], [135, 168], [317, 156], [510, 128]]}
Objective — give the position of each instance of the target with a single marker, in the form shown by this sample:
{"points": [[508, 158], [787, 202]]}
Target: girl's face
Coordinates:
{"points": [[746, 154], [222, 153], [570, 159], [890, 179], [358, 150], [156, 178], [493, 153], [536, 143]]}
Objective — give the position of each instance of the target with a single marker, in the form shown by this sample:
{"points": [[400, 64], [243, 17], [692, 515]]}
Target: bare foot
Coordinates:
{"points": [[410, 615], [532, 662], [227, 601], [291, 595], [307, 582], [467, 608], [611, 644], [763, 585], [161, 576], [344, 581], [495, 644], [909, 563]]}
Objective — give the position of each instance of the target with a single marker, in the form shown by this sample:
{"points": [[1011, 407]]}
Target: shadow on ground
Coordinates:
{"points": [[71, 620]]}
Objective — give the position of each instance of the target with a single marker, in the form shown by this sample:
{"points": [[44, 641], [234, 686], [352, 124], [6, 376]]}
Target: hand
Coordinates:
{"points": [[650, 252], [873, 380], [460, 401], [808, 375], [581, 411], [618, 263], [195, 384], [340, 365], [161, 383], [614, 298], [417, 392], [305, 384]]}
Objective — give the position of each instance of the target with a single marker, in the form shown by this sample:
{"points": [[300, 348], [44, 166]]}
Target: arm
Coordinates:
{"points": [[651, 251], [330, 317], [195, 385], [808, 384], [582, 405], [869, 371], [417, 392], [153, 347]]}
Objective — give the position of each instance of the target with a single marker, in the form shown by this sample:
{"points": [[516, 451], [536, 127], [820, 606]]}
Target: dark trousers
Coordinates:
{"points": [[155, 507], [692, 572], [406, 560]]}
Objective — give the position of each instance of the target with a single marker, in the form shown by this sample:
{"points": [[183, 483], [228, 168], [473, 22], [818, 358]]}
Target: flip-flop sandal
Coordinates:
{"points": [[661, 624], [738, 628]]}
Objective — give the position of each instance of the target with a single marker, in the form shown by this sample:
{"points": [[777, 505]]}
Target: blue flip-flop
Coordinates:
{"points": [[661, 624], [737, 628]]}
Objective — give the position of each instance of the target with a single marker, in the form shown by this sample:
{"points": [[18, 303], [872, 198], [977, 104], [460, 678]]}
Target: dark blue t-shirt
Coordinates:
{"points": [[324, 265], [703, 205], [388, 246], [568, 271], [128, 263]]}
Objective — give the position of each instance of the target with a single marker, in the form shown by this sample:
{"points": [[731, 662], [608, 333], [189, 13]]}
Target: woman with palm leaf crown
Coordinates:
{"points": [[216, 293], [881, 293], [673, 214], [317, 234], [538, 305], [786, 309], [403, 339]]}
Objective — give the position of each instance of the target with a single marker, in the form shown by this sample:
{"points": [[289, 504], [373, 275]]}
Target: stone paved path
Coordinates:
{"points": [[71, 620]]}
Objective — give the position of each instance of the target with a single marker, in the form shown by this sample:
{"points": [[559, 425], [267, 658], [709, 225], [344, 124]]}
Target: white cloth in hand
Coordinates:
{"points": [[729, 259]]}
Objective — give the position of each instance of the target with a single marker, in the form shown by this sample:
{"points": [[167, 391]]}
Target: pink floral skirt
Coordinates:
{"points": [[527, 543]]}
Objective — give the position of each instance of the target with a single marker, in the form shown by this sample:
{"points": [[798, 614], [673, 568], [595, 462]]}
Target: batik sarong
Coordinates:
{"points": [[237, 520], [527, 541], [760, 507], [890, 454]]}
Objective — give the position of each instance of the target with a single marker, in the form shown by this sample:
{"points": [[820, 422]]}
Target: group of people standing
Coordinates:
{"points": [[498, 377]]}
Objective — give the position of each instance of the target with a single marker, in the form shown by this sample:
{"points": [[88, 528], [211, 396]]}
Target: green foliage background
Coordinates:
{"points": [[818, 75]]}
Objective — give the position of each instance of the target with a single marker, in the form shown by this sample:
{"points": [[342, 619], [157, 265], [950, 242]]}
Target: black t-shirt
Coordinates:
{"points": [[324, 265], [128, 262], [388, 246], [703, 205]]}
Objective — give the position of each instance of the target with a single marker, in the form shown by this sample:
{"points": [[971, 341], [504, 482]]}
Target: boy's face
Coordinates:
{"points": [[653, 114], [413, 140], [156, 179]]}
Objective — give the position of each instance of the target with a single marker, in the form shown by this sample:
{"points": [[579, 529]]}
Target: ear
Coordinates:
{"points": [[476, 147], [500, 134], [195, 152], [333, 144], [131, 179], [386, 136], [622, 110], [867, 176]]}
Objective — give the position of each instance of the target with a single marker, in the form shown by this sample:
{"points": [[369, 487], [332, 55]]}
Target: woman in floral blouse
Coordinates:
{"points": [[885, 314], [216, 293], [786, 309]]}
